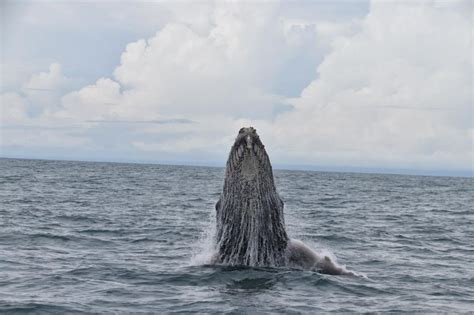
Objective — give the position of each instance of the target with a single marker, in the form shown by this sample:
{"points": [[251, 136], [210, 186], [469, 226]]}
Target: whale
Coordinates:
{"points": [[250, 224]]}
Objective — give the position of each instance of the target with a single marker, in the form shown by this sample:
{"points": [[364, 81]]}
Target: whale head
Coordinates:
{"points": [[248, 160], [249, 214]]}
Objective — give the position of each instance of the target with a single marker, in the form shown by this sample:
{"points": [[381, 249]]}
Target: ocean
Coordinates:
{"points": [[90, 237]]}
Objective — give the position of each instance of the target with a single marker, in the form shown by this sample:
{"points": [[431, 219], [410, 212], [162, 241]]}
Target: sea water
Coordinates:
{"points": [[129, 238]]}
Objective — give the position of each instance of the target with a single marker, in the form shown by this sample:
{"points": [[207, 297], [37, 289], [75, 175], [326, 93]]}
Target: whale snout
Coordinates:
{"points": [[248, 154], [247, 136], [248, 140]]}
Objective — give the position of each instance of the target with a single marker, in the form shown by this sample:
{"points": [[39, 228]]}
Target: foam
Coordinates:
{"points": [[204, 247]]}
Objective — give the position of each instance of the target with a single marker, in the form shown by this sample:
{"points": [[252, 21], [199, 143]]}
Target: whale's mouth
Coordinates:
{"points": [[248, 154], [247, 137]]}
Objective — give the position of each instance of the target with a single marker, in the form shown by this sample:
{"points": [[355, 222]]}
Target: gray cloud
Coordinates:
{"points": [[171, 121]]}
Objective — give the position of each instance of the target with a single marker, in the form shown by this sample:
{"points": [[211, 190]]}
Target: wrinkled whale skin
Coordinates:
{"points": [[250, 226]]}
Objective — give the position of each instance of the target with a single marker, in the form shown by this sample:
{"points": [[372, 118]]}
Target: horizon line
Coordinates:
{"points": [[277, 166]]}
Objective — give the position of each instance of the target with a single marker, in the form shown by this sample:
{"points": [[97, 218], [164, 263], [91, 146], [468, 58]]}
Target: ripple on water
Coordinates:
{"points": [[82, 237]]}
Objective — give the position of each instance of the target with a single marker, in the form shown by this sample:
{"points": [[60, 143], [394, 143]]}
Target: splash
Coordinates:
{"points": [[204, 248]]}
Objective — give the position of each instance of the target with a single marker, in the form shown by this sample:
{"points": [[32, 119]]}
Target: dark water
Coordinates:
{"points": [[103, 237]]}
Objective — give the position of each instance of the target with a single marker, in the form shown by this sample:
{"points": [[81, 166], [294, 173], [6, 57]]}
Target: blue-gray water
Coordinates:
{"points": [[126, 238]]}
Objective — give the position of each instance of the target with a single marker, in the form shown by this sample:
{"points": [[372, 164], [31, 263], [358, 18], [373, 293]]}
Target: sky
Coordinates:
{"points": [[333, 85]]}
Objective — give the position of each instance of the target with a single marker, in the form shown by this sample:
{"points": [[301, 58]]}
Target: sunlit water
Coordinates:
{"points": [[106, 237]]}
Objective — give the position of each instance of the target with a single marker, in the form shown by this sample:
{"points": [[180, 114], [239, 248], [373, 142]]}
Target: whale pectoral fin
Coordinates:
{"points": [[218, 204], [329, 267], [303, 256]]}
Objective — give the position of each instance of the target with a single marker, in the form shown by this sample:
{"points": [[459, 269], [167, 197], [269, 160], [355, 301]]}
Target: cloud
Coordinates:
{"points": [[44, 90], [155, 121], [397, 93], [27, 116], [85, 37], [242, 60], [39, 95], [101, 100], [13, 109], [393, 89]]}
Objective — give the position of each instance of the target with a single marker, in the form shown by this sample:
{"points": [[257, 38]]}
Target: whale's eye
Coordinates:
{"points": [[241, 130]]}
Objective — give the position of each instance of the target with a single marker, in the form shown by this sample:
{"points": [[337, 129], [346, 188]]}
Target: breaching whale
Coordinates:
{"points": [[250, 226]]}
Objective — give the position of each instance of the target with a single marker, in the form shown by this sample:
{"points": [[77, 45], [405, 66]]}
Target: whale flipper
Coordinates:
{"points": [[302, 256]]}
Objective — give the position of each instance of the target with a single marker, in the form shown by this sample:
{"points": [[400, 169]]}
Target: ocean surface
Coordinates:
{"points": [[83, 237]]}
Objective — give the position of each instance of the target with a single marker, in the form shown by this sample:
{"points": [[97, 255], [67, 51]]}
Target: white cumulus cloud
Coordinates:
{"points": [[393, 89], [399, 92]]}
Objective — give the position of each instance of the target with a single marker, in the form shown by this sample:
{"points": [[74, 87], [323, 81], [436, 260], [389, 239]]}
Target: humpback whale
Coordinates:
{"points": [[250, 225]]}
